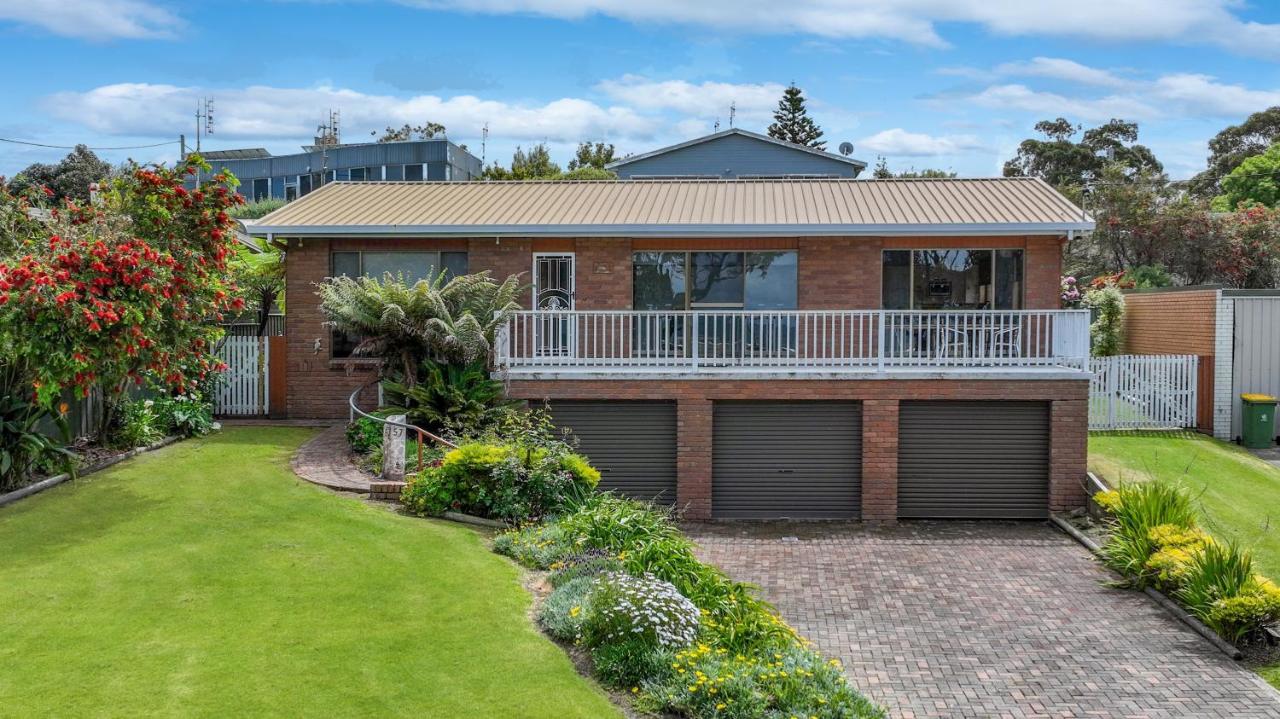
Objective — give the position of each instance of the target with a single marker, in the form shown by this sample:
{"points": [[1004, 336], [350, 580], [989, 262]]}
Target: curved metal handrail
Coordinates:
{"points": [[422, 433]]}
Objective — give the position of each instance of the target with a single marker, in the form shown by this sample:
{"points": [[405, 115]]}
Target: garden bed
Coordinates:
{"points": [[1149, 536], [669, 632]]}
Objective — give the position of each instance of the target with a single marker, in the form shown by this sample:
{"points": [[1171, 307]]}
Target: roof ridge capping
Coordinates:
{"points": [[687, 181]]}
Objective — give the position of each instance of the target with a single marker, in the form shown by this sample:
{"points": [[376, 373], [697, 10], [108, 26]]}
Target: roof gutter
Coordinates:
{"points": [[674, 230]]}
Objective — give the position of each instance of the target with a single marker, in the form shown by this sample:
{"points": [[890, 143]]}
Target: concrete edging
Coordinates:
{"points": [[1165, 602], [42, 485]]}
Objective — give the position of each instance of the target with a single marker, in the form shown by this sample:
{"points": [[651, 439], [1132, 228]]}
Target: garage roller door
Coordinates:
{"points": [[973, 460], [633, 444], [801, 460]]}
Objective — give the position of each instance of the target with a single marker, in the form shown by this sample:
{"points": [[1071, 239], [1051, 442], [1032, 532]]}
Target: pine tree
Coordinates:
{"points": [[791, 121]]}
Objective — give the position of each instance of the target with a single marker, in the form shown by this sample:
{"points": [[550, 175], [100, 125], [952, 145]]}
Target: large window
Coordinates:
{"points": [[410, 265], [714, 280], [952, 279], [723, 284]]}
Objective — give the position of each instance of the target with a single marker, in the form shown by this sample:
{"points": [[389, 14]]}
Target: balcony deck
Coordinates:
{"points": [[794, 344]]}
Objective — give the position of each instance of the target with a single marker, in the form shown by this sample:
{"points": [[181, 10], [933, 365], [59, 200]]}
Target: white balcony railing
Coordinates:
{"points": [[830, 340]]}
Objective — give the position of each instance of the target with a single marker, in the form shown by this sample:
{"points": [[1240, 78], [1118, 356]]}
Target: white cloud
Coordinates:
{"points": [[261, 112], [913, 144], [1203, 95], [1050, 104], [702, 100], [94, 19], [1061, 69], [916, 21]]}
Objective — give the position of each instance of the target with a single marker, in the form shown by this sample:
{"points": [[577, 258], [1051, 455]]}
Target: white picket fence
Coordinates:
{"points": [[243, 388], [1143, 392]]}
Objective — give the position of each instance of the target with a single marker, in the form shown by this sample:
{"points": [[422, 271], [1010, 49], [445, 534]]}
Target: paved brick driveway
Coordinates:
{"points": [[983, 620]]}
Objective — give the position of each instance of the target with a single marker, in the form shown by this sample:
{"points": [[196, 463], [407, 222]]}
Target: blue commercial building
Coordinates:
{"points": [[288, 177], [736, 154]]}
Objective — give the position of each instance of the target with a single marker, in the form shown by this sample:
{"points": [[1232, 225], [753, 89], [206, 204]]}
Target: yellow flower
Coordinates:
{"points": [[721, 705], [635, 690], [575, 611]]}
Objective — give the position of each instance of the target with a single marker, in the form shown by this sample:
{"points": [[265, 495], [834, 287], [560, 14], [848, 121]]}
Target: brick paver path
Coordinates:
{"points": [[326, 460], [984, 620]]}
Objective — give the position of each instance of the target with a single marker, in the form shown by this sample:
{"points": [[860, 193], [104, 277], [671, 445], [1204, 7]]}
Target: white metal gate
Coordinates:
{"points": [[242, 389], [1143, 392]]}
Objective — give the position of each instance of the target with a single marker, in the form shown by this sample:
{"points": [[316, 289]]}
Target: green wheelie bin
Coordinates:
{"points": [[1258, 424]]}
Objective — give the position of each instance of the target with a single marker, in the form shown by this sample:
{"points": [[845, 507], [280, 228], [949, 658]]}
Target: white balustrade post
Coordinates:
{"points": [[693, 317], [880, 337]]}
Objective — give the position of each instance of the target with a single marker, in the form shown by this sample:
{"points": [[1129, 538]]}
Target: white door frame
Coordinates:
{"points": [[558, 333]]}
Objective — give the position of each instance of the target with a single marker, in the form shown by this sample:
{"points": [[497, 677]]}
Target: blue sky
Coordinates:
{"points": [[953, 84]]}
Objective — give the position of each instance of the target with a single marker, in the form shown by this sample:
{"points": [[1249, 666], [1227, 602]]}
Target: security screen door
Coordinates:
{"points": [[553, 292]]}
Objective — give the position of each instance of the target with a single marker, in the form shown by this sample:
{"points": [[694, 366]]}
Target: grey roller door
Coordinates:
{"points": [[973, 460], [633, 444], [772, 460]]}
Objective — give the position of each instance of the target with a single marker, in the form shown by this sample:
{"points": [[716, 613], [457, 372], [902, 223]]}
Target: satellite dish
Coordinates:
{"points": [[846, 148]]}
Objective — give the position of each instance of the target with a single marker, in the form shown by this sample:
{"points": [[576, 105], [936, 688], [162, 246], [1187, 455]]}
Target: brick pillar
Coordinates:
{"points": [[880, 460], [1068, 453], [693, 457]]}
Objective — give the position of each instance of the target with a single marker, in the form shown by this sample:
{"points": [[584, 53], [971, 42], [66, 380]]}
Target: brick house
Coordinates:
{"points": [[749, 348]]}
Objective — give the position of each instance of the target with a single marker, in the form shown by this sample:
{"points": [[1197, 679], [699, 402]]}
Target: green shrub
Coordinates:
{"points": [[25, 450], [566, 608], [1141, 508], [628, 662], [1220, 571], [503, 481], [641, 609], [1175, 548], [186, 415], [137, 425], [462, 400], [538, 546], [1245, 614], [647, 541], [586, 564], [707, 682], [1106, 334], [364, 435]]}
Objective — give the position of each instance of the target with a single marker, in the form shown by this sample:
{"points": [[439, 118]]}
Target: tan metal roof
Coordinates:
{"points": [[680, 208]]}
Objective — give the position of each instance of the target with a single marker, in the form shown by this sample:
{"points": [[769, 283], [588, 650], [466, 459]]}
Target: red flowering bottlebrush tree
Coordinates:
{"points": [[1250, 258], [127, 290]]}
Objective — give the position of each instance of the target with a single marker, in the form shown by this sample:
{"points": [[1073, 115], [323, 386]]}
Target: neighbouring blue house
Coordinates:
{"points": [[735, 154], [288, 177]]}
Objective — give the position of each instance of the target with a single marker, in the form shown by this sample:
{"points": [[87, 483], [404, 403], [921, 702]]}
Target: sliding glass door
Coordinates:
{"points": [[952, 279], [719, 285]]}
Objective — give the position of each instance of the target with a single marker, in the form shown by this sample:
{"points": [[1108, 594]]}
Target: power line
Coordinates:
{"points": [[72, 147]]}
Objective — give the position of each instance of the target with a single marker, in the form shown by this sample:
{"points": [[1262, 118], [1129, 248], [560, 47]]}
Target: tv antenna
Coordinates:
{"points": [[733, 111], [846, 148], [484, 143], [204, 119]]}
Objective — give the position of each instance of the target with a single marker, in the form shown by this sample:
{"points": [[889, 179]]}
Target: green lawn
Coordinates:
{"points": [[206, 580]]}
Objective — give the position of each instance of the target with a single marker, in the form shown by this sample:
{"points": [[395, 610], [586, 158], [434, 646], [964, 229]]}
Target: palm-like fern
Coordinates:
{"points": [[452, 320]]}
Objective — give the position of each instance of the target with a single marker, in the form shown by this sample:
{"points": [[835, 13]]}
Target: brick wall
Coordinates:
{"points": [[1178, 322], [503, 258], [1068, 412], [603, 273], [839, 273], [317, 387]]}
